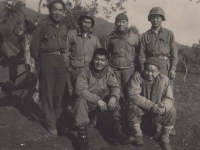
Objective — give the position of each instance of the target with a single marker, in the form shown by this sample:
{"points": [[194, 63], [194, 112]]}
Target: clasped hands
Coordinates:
{"points": [[110, 106], [158, 109]]}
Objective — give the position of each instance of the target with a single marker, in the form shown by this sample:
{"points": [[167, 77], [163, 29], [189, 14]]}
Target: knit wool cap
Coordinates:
{"points": [[153, 61], [121, 16]]}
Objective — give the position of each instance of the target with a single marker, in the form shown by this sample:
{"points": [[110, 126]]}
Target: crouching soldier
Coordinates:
{"points": [[91, 85], [150, 93]]}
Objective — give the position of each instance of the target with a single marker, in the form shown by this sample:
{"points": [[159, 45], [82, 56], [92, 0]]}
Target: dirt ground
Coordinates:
{"points": [[22, 129]]}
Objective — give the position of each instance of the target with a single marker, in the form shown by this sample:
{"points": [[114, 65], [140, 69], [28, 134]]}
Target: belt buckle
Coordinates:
{"points": [[57, 53]]}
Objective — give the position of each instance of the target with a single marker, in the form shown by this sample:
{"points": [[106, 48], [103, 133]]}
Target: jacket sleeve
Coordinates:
{"points": [[136, 57], [134, 92], [36, 41], [173, 53], [167, 98], [98, 44], [67, 52], [142, 56], [81, 87], [113, 85]]}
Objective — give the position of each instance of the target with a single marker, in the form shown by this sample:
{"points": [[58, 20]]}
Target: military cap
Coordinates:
{"points": [[121, 16], [153, 61]]}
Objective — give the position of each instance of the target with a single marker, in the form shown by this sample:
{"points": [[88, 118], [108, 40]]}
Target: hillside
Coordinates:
{"points": [[102, 27]]}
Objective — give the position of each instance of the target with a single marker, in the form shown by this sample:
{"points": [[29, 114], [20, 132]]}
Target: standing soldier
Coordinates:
{"points": [[48, 48], [122, 44], [81, 44], [159, 42]]}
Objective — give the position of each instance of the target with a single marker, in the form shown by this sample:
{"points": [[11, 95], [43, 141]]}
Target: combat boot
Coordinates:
{"points": [[83, 141], [93, 120], [137, 133], [159, 130], [165, 139], [121, 137]]}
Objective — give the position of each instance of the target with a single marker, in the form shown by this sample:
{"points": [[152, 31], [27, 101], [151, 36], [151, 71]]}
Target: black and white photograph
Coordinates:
{"points": [[99, 74]]}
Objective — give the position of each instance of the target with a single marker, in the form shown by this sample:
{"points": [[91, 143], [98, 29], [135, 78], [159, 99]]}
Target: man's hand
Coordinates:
{"points": [[112, 103], [161, 108], [172, 74], [102, 105], [68, 69], [157, 109], [137, 76]]}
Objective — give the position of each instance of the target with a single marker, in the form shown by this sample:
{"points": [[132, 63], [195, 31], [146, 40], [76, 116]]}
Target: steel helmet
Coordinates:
{"points": [[86, 16], [157, 11]]}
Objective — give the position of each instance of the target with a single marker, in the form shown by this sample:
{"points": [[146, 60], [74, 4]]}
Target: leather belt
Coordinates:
{"points": [[162, 57], [53, 52]]}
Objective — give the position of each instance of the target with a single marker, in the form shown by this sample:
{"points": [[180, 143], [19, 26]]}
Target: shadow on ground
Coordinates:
{"points": [[22, 125]]}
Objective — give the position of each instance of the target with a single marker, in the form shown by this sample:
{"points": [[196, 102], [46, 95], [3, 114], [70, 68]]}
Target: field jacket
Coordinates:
{"points": [[161, 44], [122, 49], [145, 94], [48, 38], [92, 87], [81, 48]]}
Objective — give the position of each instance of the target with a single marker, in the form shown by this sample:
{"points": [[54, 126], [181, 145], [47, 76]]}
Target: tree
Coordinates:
{"points": [[76, 7], [197, 1]]}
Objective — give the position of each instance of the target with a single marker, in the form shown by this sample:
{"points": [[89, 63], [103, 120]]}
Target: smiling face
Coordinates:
{"points": [[156, 21], [86, 24], [100, 62], [57, 12], [121, 24], [150, 72]]}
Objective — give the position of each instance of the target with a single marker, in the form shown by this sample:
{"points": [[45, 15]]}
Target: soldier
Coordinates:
{"points": [[122, 45], [48, 48], [81, 44], [150, 93], [91, 86], [159, 42]]}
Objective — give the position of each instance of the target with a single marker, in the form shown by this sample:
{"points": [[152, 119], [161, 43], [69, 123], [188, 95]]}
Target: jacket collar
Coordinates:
{"points": [[50, 22], [98, 74], [79, 33], [115, 34], [152, 31]]}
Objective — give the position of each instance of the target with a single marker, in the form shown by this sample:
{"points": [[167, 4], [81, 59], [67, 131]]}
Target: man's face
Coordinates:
{"points": [[150, 72], [86, 24], [100, 62], [156, 20], [57, 12], [121, 24]]}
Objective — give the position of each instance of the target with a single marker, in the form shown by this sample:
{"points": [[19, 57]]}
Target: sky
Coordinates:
{"points": [[182, 16]]}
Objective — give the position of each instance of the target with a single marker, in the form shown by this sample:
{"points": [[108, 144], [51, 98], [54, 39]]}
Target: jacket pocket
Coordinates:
{"points": [[49, 36], [64, 37], [164, 39], [150, 46]]}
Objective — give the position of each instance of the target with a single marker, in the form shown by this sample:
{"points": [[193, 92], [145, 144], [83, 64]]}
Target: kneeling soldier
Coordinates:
{"points": [[91, 85], [150, 93]]}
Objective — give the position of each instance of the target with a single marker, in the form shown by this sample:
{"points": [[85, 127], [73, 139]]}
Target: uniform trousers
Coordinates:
{"points": [[123, 76], [83, 107], [53, 76], [134, 114]]}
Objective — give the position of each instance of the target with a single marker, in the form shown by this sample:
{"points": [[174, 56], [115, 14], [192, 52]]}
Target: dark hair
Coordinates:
{"points": [[50, 4], [85, 17], [101, 51]]}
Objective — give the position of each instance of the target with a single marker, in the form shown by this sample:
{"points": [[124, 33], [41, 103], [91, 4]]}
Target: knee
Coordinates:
{"points": [[134, 109], [172, 111], [80, 102]]}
